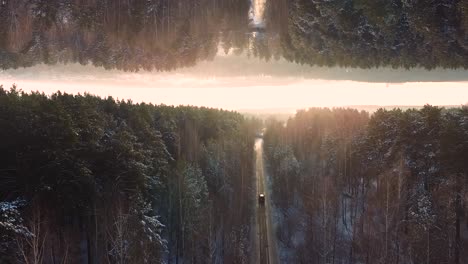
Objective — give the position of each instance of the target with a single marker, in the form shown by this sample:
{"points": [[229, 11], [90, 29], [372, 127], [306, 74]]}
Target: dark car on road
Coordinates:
{"points": [[261, 199]]}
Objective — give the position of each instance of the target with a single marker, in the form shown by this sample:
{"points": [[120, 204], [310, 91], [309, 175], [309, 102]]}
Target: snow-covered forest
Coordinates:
{"points": [[94, 180], [89, 179], [128, 35], [387, 188], [165, 35], [85, 179], [373, 33]]}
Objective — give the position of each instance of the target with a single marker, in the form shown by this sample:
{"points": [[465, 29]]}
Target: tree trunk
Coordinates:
{"points": [[458, 211]]}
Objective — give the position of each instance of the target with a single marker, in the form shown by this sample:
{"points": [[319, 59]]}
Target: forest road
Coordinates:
{"points": [[265, 239]]}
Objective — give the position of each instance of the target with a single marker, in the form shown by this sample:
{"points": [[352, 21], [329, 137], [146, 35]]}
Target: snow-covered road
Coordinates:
{"points": [[257, 13], [265, 242]]}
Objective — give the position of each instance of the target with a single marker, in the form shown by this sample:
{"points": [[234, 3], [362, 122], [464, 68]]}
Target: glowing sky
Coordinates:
{"points": [[250, 87], [303, 93]]}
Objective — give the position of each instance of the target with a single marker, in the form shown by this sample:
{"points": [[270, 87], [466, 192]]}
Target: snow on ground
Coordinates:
{"points": [[286, 249]]}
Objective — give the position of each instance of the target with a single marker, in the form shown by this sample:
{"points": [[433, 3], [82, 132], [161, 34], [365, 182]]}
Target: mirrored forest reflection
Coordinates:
{"points": [[165, 35]]}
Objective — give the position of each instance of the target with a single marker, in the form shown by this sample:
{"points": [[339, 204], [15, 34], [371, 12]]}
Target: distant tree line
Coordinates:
{"points": [[387, 188], [85, 179]]}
